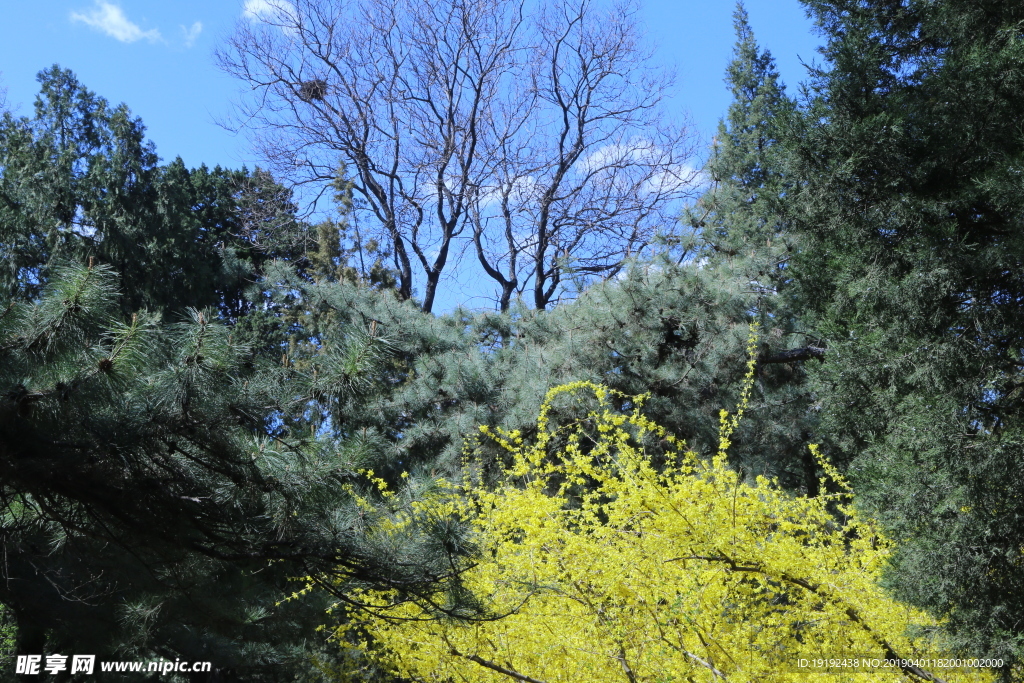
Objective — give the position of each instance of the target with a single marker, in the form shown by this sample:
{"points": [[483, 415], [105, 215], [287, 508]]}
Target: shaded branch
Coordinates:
{"points": [[793, 355], [817, 589], [497, 667]]}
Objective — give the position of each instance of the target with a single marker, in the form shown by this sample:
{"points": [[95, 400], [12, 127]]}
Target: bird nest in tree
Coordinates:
{"points": [[312, 90]]}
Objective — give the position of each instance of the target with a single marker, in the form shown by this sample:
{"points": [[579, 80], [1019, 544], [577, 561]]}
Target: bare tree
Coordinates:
{"points": [[534, 141]]}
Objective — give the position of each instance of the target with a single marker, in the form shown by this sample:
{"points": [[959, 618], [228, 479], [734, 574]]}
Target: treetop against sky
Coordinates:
{"points": [[157, 58]]}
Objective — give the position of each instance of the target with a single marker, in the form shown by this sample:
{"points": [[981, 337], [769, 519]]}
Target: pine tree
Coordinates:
{"points": [[155, 498], [744, 236], [71, 174], [671, 331]]}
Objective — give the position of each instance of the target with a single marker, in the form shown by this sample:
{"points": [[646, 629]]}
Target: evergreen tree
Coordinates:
{"points": [[741, 217], [155, 499], [671, 331], [909, 158], [78, 180], [744, 236], [71, 176]]}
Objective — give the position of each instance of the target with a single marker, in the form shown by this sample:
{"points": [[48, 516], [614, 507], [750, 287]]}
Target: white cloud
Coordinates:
{"points": [[623, 164], [110, 19], [677, 179], [192, 33], [618, 155], [521, 190], [278, 12]]}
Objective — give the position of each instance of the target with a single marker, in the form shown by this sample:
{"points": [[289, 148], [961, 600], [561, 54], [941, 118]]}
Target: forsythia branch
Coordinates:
{"points": [[496, 667]]}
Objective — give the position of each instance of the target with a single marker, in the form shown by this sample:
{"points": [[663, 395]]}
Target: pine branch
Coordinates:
{"points": [[793, 355]]}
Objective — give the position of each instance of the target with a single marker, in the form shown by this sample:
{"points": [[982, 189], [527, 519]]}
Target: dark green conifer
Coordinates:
{"points": [[745, 237], [161, 478], [741, 217], [910, 153], [156, 497], [78, 180]]}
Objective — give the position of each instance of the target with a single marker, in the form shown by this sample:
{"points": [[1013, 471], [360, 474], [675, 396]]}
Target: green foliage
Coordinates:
{"points": [[154, 496], [741, 218], [71, 173], [155, 460], [671, 331], [744, 237], [78, 180], [8, 641], [196, 386], [909, 154]]}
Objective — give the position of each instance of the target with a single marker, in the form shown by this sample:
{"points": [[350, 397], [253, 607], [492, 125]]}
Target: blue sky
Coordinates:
{"points": [[157, 57]]}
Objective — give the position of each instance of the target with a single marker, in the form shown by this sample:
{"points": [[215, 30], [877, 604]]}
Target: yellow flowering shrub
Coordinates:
{"points": [[597, 567]]}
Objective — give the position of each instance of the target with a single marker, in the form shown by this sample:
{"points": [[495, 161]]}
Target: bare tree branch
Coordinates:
{"points": [[534, 142]]}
